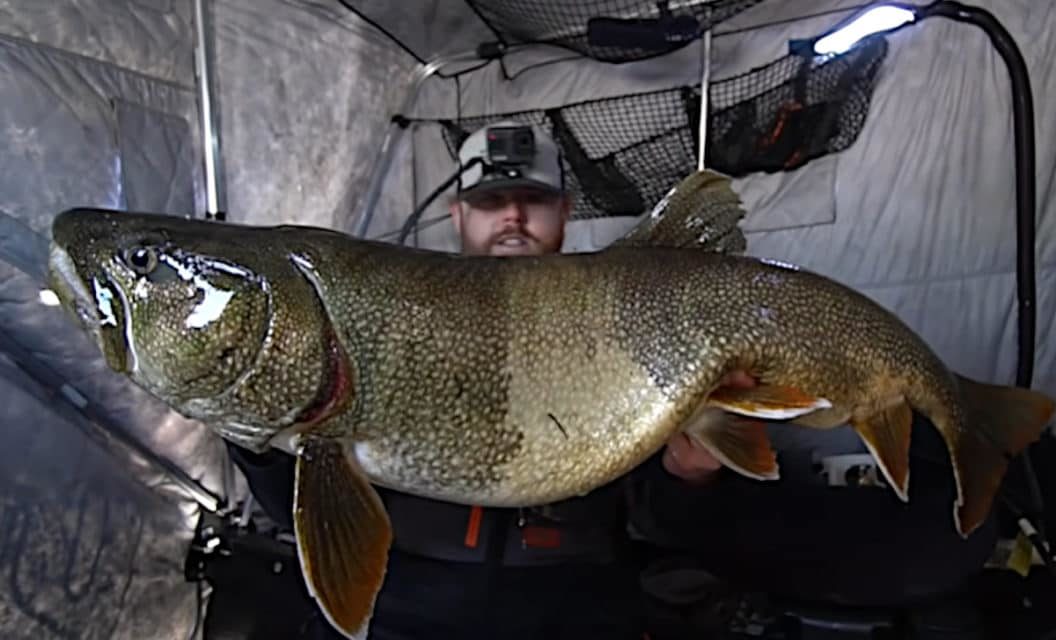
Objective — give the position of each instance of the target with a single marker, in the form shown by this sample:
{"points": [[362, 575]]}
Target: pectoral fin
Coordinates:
{"points": [[887, 434], [343, 535], [743, 445], [767, 402]]}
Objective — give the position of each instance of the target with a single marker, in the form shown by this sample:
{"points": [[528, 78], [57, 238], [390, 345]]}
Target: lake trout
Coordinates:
{"points": [[503, 382]]}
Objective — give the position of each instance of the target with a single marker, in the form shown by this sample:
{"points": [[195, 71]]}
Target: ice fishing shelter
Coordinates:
{"points": [[890, 167]]}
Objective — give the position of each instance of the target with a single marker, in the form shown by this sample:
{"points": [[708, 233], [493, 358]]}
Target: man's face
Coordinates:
{"points": [[511, 222]]}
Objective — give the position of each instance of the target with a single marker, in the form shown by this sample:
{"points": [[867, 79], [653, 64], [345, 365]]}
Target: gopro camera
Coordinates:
{"points": [[511, 146]]}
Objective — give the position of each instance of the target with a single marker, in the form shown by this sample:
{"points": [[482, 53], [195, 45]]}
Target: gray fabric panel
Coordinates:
{"points": [[95, 536], [303, 96], [24, 248], [429, 28], [152, 37], [157, 149], [63, 137]]}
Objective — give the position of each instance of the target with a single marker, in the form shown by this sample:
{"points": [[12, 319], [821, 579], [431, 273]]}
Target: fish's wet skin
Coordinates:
{"points": [[502, 382]]}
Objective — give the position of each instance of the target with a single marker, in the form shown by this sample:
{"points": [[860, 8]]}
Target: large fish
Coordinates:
{"points": [[498, 381]]}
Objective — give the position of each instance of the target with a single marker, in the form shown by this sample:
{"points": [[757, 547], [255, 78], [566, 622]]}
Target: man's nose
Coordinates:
{"points": [[513, 212]]}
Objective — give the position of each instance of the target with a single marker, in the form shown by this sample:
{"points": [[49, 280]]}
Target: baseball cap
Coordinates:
{"points": [[544, 172]]}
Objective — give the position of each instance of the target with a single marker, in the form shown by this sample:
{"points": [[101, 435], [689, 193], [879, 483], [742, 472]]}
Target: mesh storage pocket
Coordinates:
{"points": [[622, 154]]}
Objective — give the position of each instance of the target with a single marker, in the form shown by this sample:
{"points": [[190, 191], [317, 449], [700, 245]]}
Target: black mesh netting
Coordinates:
{"points": [[622, 154], [608, 30]]}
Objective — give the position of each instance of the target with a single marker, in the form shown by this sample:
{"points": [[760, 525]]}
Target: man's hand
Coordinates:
{"points": [[691, 462]]}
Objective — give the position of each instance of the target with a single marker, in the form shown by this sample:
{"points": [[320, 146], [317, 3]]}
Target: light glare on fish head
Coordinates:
{"points": [[165, 309]]}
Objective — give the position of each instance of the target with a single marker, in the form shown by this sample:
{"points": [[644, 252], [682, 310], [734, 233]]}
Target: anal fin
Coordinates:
{"points": [[741, 444], [766, 402], [343, 534], [887, 435]]}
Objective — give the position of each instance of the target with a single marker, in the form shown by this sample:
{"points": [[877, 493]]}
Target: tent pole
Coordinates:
{"points": [[203, 66], [705, 80]]}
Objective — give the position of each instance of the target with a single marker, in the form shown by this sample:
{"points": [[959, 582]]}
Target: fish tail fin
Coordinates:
{"points": [[343, 535], [702, 211], [1001, 422]]}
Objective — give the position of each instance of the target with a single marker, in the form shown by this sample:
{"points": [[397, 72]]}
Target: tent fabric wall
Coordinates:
{"points": [[88, 550], [304, 91], [100, 108], [918, 213], [97, 111]]}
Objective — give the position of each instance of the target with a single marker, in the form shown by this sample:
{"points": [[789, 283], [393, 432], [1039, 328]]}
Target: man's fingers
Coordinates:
{"points": [[739, 379], [687, 460]]}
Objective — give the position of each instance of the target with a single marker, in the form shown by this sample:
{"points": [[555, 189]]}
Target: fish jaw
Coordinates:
{"points": [[100, 312]]}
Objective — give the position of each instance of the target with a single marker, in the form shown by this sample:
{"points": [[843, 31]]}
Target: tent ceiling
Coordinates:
{"points": [[439, 28]]}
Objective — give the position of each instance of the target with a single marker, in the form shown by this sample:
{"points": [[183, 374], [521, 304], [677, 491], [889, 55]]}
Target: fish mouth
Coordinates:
{"points": [[64, 280], [98, 312]]}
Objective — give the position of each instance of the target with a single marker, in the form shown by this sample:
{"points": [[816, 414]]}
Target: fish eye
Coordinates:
{"points": [[142, 260]]}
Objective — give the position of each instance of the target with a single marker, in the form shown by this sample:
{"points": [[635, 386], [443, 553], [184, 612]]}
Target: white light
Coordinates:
{"points": [[212, 306], [49, 298], [104, 299], [876, 20]]}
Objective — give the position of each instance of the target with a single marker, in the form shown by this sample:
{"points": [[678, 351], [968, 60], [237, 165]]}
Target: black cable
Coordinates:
{"points": [[1023, 136], [412, 219], [383, 31], [1023, 129], [487, 23], [422, 224], [457, 74]]}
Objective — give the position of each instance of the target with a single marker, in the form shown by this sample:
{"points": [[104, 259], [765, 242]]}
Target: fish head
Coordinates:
{"points": [[175, 304]]}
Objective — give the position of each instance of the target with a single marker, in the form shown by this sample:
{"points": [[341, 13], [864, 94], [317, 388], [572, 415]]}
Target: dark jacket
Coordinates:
{"points": [[591, 528]]}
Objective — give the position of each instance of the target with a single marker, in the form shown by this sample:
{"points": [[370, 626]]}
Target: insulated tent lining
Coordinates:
{"points": [[304, 89], [101, 108], [95, 112]]}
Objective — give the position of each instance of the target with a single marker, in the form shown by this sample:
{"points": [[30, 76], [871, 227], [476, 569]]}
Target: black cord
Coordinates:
{"points": [[383, 30], [412, 219], [457, 74], [1023, 130]]}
